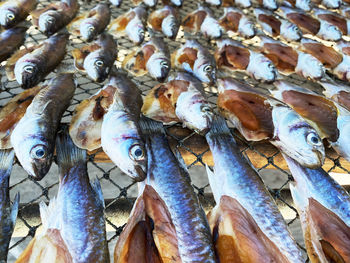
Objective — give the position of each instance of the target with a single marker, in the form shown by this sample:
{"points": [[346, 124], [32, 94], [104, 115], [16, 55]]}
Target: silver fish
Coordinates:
{"points": [[177, 3], [117, 3], [332, 4], [260, 117], [249, 218], [269, 4], [8, 213], [241, 3], [33, 139], [13, 12], [304, 5], [10, 41], [196, 59], [165, 20], [149, 3], [340, 93], [172, 183], [74, 227], [124, 145], [333, 18], [213, 2]]}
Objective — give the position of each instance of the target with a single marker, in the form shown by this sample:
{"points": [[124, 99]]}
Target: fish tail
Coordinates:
{"points": [[149, 126], [6, 161], [14, 209], [68, 155], [219, 126]]}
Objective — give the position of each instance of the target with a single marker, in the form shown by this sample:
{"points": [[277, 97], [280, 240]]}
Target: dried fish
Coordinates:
{"points": [[13, 12], [333, 18], [337, 92], [165, 20], [10, 41]]}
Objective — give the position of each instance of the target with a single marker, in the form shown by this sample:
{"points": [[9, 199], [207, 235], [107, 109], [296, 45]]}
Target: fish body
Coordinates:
{"points": [[13, 12], [10, 41], [260, 117], [8, 213], [92, 23], [345, 11], [304, 5], [117, 3], [233, 56], [150, 3], [333, 18], [269, 4], [132, 24], [337, 92], [310, 25], [165, 20], [196, 59], [235, 20], [331, 4], [177, 3], [241, 3], [98, 58], [86, 123], [202, 21], [152, 57], [11, 114], [276, 26], [246, 223], [124, 145], [74, 221], [179, 100], [34, 66], [55, 16], [168, 175], [213, 2], [33, 138], [324, 210], [288, 60], [329, 119]]}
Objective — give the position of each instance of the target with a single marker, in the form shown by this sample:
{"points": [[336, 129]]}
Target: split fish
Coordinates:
{"points": [[98, 58], [176, 3], [149, 3], [117, 3], [246, 223], [332, 4], [334, 19], [213, 2], [233, 56], [337, 92], [10, 40], [33, 138], [241, 3], [152, 57], [269, 4], [258, 117], [235, 20], [301, 4], [73, 223], [196, 59], [124, 145], [345, 11], [13, 12], [288, 60], [30, 66], [165, 20]]}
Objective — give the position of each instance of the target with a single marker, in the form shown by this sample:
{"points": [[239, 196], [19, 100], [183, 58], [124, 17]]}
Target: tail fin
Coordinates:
{"points": [[6, 161], [14, 209], [68, 155], [219, 126], [149, 126]]}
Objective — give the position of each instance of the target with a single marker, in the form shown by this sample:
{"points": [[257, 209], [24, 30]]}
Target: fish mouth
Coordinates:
{"points": [[141, 174]]}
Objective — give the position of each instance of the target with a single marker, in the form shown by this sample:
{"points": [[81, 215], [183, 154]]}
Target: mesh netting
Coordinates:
{"points": [[118, 189]]}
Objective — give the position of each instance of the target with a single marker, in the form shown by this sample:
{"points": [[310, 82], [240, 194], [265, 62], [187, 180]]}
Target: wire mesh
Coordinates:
{"points": [[119, 191]]}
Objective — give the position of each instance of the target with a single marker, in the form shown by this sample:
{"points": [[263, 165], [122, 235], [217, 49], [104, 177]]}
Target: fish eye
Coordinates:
{"points": [[270, 65], [313, 139], [29, 69], [99, 63], [164, 64], [206, 109], [136, 152], [208, 68], [38, 151], [91, 28], [141, 31], [10, 16], [50, 19]]}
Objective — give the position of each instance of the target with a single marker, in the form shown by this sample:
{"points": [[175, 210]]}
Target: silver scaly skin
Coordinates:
{"points": [[169, 177], [13, 12], [233, 176]]}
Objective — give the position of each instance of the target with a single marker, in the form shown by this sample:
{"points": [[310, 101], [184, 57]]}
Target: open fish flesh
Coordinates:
{"points": [[132, 24], [332, 4], [179, 100], [33, 138], [172, 183], [246, 223], [333, 18], [233, 56], [92, 23], [165, 20], [276, 26], [310, 25], [30, 66], [236, 21], [288, 60], [124, 145], [149, 232], [324, 210], [55, 16], [11, 114], [8, 213], [13, 12], [301, 4], [331, 120], [241, 3], [10, 41], [98, 58], [338, 63], [337, 92], [258, 117], [196, 59], [202, 21], [74, 221], [152, 57]]}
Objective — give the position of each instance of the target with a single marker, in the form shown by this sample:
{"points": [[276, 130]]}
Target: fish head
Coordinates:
{"points": [[296, 138], [8, 16], [27, 72], [150, 3], [270, 4], [177, 2], [135, 30], [88, 30], [309, 66], [213, 2], [170, 26], [290, 31], [211, 27], [158, 66], [261, 68], [96, 67], [48, 21], [332, 3], [246, 27], [244, 3], [329, 32], [204, 70], [194, 111], [303, 4]]}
